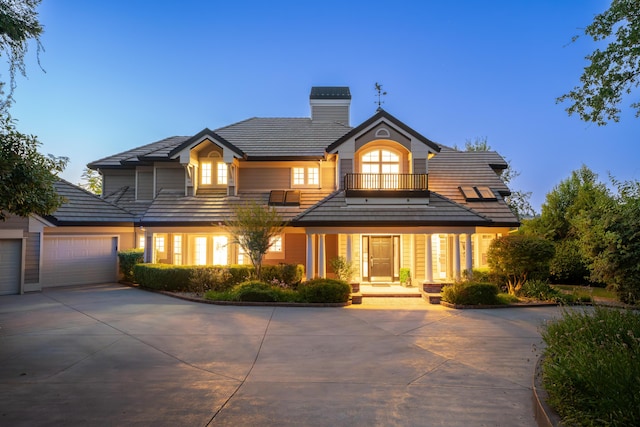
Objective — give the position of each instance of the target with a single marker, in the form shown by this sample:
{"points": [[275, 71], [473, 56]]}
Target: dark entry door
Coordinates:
{"points": [[381, 258]]}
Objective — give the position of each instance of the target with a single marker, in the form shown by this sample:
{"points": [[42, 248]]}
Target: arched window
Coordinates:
{"points": [[384, 167]]}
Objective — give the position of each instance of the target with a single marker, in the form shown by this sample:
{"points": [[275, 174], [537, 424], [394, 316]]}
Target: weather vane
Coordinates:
{"points": [[381, 93]]}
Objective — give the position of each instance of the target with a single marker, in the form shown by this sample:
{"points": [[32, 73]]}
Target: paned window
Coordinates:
{"points": [[222, 173], [200, 244], [205, 173], [177, 249], [306, 176], [160, 247], [276, 244]]}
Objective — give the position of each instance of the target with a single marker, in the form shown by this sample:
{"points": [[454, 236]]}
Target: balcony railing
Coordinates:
{"points": [[386, 184]]}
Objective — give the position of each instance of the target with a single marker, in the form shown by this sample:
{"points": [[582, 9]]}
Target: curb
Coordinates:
{"points": [[545, 416]]}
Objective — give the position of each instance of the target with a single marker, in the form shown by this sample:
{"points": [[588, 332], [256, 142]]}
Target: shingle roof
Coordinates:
{"points": [[84, 208], [171, 207], [334, 210], [158, 148]]}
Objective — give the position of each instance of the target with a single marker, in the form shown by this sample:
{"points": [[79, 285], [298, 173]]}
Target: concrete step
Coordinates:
{"points": [[432, 298]]}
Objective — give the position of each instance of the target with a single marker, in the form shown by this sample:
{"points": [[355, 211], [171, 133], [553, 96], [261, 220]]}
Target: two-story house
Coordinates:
{"points": [[379, 194]]}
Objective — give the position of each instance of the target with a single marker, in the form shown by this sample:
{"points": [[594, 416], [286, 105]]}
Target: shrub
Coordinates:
{"points": [[256, 291], [590, 367], [405, 276], [568, 265], [128, 259], [210, 278], [471, 294], [165, 277], [539, 290], [324, 291], [289, 274], [343, 269], [240, 273]]}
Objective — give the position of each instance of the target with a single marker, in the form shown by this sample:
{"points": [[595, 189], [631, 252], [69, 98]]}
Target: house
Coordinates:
{"points": [[379, 194]]}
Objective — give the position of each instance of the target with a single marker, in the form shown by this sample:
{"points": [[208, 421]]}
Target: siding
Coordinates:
{"points": [[419, 166], [346, 166], [170, 179], [264, 179], [330, 113], [419, 258], [145, 186], [295, 247], [405, 260], [32, 259], [15, 223], [328, 178], [113, 180]]}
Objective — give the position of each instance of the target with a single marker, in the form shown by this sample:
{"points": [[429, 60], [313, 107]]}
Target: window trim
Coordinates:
{"points": [[307, 176]]}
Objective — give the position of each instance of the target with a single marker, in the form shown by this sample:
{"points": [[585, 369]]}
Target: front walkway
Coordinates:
{"points": [[114, 355]]}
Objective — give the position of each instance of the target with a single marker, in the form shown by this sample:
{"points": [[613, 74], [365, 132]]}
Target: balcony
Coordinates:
{"points": [[386, 185]]}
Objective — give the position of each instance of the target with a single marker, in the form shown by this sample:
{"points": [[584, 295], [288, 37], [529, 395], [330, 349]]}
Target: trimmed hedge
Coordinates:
{"points": [[471, 294], [128, 259], [190, 278], [324, 290]]}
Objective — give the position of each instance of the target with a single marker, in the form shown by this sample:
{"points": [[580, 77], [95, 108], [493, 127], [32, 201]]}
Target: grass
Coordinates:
{"points": [[591, 367], [588, 290]]}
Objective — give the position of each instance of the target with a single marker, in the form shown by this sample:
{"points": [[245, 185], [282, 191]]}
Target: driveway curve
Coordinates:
{"points": [[115, 355]]}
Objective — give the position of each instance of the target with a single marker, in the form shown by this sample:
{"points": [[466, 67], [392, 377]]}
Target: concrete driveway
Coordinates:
{"points": [[114, 355]]}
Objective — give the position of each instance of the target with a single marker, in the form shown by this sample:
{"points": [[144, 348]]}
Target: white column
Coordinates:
{"points": [[309, 266], [349, 243], [322, 270], [468, 254], [456, 256], [428, 259]]}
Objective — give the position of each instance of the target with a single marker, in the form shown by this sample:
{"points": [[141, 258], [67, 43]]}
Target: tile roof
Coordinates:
{"points": [[84, 208], [156, 148]]}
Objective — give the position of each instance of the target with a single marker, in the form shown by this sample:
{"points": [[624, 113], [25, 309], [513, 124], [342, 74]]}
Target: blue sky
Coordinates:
{"points": [[120, 74]]}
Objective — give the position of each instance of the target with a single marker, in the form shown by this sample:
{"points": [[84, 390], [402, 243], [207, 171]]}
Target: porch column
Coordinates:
{"points": [[468, 255], [428, 259], [349, 243], [322, 270], [456, 256], [309, 265]]}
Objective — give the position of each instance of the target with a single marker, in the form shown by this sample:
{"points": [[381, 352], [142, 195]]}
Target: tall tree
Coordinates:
{"points": [[612, 73], [254, 228], [26, 176], [18, 24], [518, 200], [91, 181]]}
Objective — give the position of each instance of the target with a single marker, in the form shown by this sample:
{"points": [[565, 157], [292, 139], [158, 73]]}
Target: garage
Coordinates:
{"points": [[10, 266], [78, 260]]}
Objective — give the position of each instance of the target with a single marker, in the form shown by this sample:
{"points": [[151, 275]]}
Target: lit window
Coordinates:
{"points": [[177, 249], [201, 250], [313, 176], [298, 176], [206, 173], [220, 250], [306, 176], [242, 256], [160, 244], [276, 244], [141, 242], [380, 162], [222, 173]]}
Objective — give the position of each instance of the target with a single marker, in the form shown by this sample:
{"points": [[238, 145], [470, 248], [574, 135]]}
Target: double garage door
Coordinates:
{"points": [[10, 266], [78, 260]]}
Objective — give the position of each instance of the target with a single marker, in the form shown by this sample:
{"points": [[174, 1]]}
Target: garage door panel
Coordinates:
{"points": [[79, 260], [10, 265]]}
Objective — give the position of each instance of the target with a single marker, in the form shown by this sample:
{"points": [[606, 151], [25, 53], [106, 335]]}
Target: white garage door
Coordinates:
{"points": [[10, 265], [78, 260]]}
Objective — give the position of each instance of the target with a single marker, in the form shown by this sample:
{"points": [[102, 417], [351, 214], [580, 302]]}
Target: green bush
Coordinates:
{"points": [[540, 290], [210, 278], [324, 291], [165, 277], [471, 294], [343, 269], [128, 259], [405, 276], [590, 367], [285, 275], [568, 265], [240, 273], [256, 291]]}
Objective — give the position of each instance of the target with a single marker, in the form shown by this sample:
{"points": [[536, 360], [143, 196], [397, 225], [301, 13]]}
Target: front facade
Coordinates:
{"points": [[379, 194]]}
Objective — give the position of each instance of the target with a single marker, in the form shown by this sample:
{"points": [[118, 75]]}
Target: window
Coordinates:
{"points": [[276, 244], [205, 173], [160, 247], [141, 242], [306, 176], [177, 249], [380, 161], [200, 250], [222, 173], [220, 250]]}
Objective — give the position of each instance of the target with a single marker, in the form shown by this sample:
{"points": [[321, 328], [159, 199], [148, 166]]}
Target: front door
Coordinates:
{"points": [[381, 258]]}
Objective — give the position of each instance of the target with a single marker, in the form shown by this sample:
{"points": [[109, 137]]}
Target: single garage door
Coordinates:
{"points": [[78, 260], [10, 265]]}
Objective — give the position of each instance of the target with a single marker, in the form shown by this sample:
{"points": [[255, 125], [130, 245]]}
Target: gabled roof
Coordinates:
{"points": [[382, 114], [83, 208], [205, 133]]}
